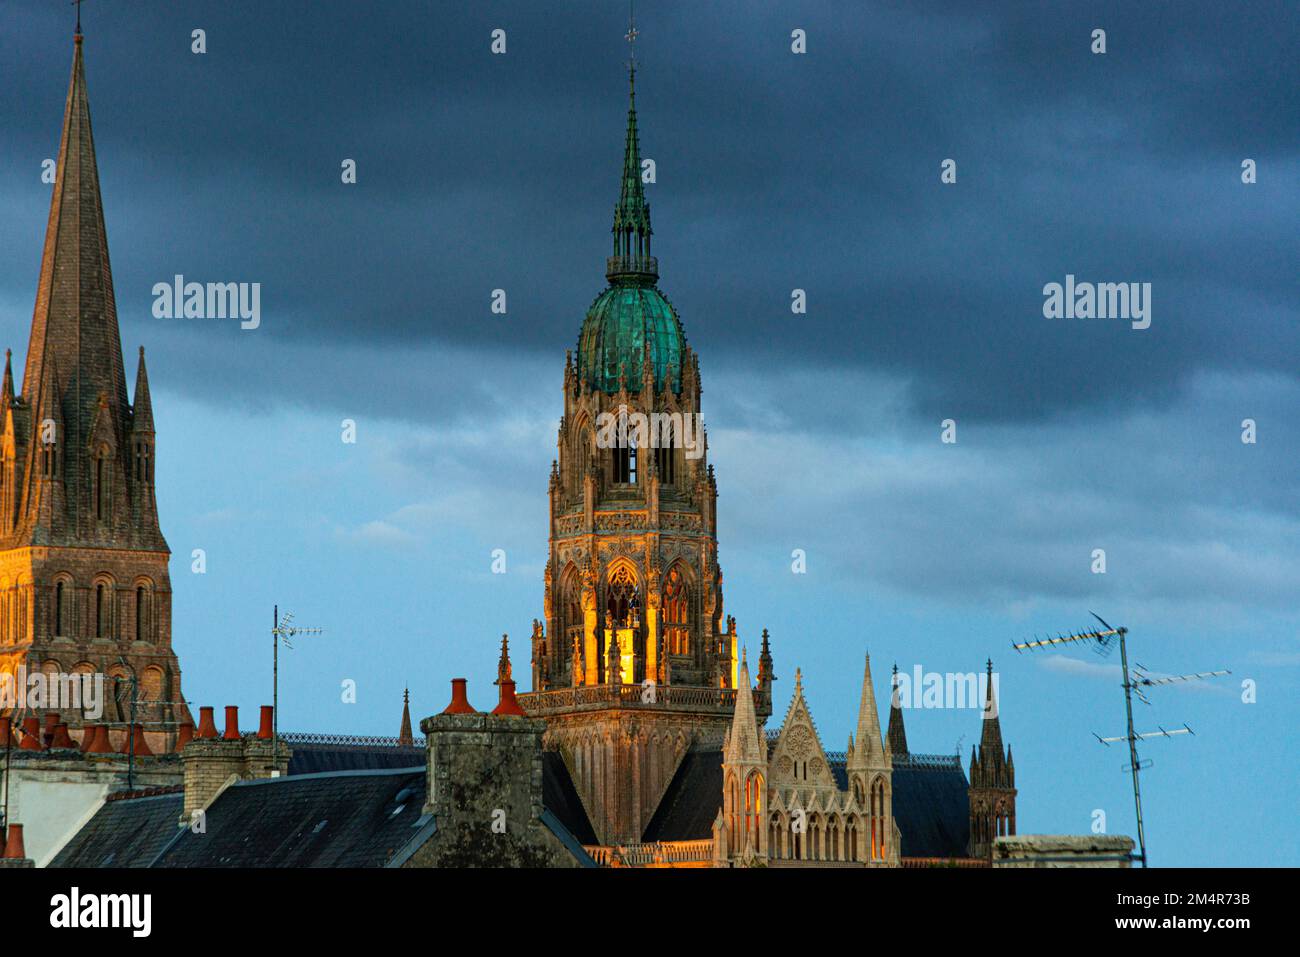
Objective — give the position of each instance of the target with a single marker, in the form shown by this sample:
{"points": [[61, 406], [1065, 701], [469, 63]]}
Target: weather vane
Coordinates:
{"points": [[631, 35]]}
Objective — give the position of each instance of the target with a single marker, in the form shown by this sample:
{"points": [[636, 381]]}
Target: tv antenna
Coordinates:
{"points": [[283, 630], [1103, 641]]}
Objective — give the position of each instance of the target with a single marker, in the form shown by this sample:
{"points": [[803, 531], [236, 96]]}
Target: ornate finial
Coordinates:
{"points": [[630, 37], [503, 666], [895, 667], [743, 661], [990, 664], [798, 681], [406, 696], [77, 4]]}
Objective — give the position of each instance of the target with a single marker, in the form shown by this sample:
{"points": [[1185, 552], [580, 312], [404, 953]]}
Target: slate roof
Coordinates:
{"points": [[930, 803], [124, 833], [370, 817], [336, 819], [561, 798], [691, 801], [319, 758]]}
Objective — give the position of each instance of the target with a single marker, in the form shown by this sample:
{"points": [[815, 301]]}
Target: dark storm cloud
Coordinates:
{"points": [[775, 171]]}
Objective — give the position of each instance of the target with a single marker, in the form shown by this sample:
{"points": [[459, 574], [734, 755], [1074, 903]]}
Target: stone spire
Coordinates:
{"points": [[897, 736], [745, 746], [869, 747], [7, 396], [991, 735], [404, 736], [142, 405], [74, 324]]}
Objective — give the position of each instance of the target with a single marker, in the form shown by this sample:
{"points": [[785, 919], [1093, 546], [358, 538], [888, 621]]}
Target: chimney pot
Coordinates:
{"points": [[184, 735], [264, 729], [14, 849], [51, 719], [232, 723], [509, 704], [61, 738], [207, 726], [100, 744], [7, 734], [459, 698], [31, 735], [135, 732]]}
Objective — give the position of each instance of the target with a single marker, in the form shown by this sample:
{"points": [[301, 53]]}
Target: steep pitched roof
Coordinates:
{"points": [[339, 819], [691, 800], [124, 833], [744, 745], [896, 737]]}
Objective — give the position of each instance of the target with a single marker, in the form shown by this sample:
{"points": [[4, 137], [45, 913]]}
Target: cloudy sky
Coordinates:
{"points": [[775, 172]]}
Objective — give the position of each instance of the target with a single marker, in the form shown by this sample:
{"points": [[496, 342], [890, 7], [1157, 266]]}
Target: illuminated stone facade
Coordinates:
{"points": [[84, 585]]}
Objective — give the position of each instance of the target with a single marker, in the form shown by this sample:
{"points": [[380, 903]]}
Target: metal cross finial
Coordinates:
{"points": [[77, 4]]}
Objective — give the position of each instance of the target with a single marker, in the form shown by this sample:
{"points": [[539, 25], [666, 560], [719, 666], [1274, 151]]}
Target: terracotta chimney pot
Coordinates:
{"points": [[31, 735], [61, 738], [264, 730], [459, 698], [509, 704], [14, 849], [232, 723], [100, 744], [207, 726], [184, 735], [135, 732]]}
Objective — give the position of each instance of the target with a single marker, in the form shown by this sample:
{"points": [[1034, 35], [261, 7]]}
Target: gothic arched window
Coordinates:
{"points": [[623, 605], [676, 608], [878, 819]]}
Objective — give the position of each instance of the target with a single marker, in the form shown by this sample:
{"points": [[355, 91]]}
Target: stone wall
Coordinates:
{"points": [[485, 793], [1063, 850]]}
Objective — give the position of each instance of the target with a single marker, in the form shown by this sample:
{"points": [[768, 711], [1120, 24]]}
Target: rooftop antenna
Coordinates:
{"points": [[283, 630], [1103, 642]]}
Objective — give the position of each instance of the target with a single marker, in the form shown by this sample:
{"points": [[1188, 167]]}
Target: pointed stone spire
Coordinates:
{"points": [[74, 323], [897, 736], [744, 743], [991, 735], [869, 748], [142, 405], [404, 736], [7, 395]]}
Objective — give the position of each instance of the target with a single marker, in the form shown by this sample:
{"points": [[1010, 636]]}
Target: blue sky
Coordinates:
{"points": [[774, 172]]}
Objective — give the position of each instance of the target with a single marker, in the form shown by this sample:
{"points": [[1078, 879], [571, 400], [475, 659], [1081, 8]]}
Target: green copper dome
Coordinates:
{"points": [[631, 319], [623, 324]]}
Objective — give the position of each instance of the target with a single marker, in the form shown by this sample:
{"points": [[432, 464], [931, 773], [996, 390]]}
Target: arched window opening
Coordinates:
{"points": [[101, 610], [878, 822], [58, 609], [101, 486], [141, 613], [676, 609], [624, 604]]}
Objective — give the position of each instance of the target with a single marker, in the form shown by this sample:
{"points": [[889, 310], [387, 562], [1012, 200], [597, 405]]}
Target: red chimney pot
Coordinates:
{"points": [[184, 735], [14, 849], [509, 704], [459, 699], [232, 723], [264, 730], [31, 735], [61, 738], [207, 726]]}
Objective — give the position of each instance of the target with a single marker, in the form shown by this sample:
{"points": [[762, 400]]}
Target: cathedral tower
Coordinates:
{"points": [[83, 564], [992, 782], [634, 662]]}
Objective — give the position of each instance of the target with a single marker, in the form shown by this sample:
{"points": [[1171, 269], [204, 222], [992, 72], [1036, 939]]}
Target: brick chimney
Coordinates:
{"points": [[211, 762]]}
